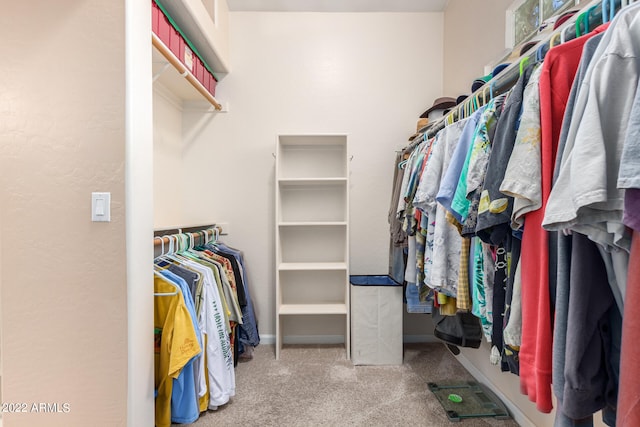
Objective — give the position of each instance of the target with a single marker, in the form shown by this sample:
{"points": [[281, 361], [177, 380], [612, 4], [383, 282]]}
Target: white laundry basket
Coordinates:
{"points": [[376, 320]]}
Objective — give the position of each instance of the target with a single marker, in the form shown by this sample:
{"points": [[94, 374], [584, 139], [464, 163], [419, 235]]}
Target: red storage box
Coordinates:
{"points": [[199, 69], [164, 29], [174, 42], [213, 84], [155, 17], [207, 80]]}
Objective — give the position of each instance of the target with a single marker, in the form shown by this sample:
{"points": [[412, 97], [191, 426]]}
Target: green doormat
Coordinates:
{"points": [[469, 399]]}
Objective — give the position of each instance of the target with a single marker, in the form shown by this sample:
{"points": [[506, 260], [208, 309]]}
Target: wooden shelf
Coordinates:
{"points": [[176, 78], [289, 309]]}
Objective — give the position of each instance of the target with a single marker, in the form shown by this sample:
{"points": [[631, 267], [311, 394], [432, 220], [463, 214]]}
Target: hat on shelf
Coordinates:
{"points": [[480, 81], [421, 123], [564, 18], [461, 98], [441, 103]]}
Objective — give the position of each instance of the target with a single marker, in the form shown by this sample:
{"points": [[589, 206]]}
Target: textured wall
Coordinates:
{"points": [[62, 134], [473, 37], [367, 75]]}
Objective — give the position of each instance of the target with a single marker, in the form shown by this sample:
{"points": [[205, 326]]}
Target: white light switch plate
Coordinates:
{"points": [[100, 207]]}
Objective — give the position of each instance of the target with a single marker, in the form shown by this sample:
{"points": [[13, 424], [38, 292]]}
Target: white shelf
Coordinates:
{"points": [[289, 309], [311, 266], [311, 223], [174, 76], [310, 181], [312, 234]]}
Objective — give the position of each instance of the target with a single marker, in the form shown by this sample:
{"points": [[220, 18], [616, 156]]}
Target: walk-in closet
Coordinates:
{"points": [[319, 212]]}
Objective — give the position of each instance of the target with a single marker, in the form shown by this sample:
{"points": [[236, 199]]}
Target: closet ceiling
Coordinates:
{"points": [[338, 5]]}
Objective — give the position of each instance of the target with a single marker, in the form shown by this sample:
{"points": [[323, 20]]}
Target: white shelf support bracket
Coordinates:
{"points": [[159, 73]]}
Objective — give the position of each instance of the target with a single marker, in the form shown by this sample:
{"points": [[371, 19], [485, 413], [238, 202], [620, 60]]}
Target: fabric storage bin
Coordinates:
{"points": [[175, 40], [155, 17], [164, 28], [376, 320]]}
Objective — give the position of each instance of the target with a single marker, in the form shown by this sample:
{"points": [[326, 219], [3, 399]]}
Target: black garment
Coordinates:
{"points": [[510, 354], [240, 290], [493, 227], [188, 276], [499, 293]]}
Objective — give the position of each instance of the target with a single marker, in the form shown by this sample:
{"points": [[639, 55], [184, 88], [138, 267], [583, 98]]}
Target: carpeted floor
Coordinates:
{"points": [[317, 386]]}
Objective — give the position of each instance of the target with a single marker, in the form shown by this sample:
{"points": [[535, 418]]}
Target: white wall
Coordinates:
{"points": [[167, 159], [139, 214], [367, 75], [474, 37]]}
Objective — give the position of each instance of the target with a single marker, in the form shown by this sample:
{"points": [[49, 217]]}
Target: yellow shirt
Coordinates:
{"points": [[175, 343]]}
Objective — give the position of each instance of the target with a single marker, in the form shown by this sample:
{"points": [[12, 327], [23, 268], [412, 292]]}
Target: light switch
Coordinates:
{"points": [[100, 207]]}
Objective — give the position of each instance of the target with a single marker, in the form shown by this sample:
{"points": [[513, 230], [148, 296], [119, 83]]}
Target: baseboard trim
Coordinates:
{"points": [[515, 412], [338, 339], [417, 339]]}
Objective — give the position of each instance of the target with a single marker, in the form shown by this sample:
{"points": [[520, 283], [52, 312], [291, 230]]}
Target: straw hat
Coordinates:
{"points": [[422, 122]]}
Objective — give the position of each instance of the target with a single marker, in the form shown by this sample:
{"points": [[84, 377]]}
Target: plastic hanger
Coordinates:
{"points": [[563, 34], [552, 43], [540, 53], [523, 62], [477, 98], [459, 109], [589, 12], [164, 294], [579, 20], [161, 245], [612, 9], [171, 254]]}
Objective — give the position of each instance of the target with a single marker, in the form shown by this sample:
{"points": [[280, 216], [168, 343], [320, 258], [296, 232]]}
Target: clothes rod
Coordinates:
{"points": [[183, 71], [178, 229], [508, 77], [167, 238]]}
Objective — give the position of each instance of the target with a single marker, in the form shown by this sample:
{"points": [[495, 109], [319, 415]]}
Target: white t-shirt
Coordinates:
{"points": [[446, 242], [222, 381], [585, 196], [523, 176]]}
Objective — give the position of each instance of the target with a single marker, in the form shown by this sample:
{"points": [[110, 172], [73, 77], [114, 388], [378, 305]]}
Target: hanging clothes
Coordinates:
{"points": [[545, 205], [175, 342], [210, 282]]}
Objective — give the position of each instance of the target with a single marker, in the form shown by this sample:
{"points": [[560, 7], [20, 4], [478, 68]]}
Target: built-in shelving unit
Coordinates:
{"points": [[312, 230]]}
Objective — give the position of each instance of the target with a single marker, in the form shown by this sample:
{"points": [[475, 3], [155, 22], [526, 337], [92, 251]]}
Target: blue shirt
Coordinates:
{"points": [[184, 400], [452, 175]]}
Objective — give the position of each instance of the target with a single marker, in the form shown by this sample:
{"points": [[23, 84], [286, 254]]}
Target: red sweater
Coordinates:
{"points": [[629, 388], [558, 72]]}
